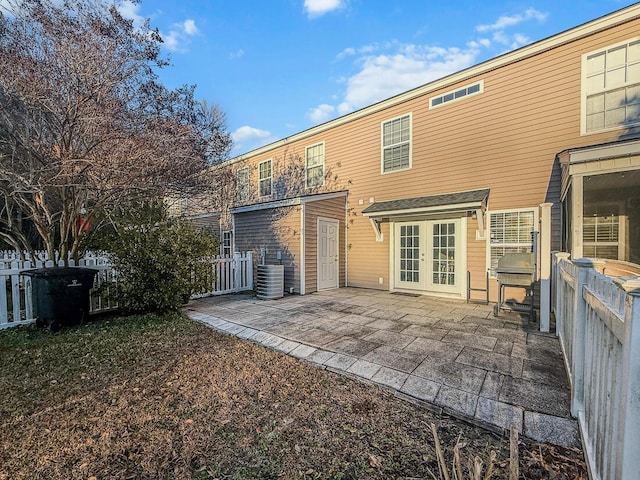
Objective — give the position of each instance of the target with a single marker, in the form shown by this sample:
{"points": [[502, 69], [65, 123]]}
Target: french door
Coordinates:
{"points": [[429, 256]]}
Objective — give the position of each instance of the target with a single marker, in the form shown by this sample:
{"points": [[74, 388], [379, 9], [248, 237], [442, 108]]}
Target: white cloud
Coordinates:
{"points": [[247, 138], [237, 54], [177, 39], [515, 40], [317, 8], [245, 133], [387, 69], [394, 69], [321, 113], [130, 11], [189, 27], [510, 20]]}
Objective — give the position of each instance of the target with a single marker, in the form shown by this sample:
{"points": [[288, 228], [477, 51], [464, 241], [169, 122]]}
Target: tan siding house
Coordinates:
{"points": [[426, 189]]}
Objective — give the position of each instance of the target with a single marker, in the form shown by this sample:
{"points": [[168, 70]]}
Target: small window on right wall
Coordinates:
{"points": [[611, 87]]}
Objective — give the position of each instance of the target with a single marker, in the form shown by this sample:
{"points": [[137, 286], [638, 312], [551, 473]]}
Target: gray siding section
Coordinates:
{"points": [[274, 230]]}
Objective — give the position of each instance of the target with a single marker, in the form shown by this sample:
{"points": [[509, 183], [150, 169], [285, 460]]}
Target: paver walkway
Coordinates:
{"points": [[456, 356]]}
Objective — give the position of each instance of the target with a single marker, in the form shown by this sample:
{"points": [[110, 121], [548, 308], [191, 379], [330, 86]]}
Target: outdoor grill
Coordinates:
{"points": [[516, 270]]}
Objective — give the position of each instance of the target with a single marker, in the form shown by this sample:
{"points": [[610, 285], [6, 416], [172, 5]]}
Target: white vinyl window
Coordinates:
{"points": [[611, 87], [264, 178], [509, 232], [458, 94], [601, 232], [225, 248], [315, 165], [396, 144], [242, 184]]}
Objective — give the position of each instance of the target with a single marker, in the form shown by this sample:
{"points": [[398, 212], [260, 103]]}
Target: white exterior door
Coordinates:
{"points": [[328, 231], [429, 256]]}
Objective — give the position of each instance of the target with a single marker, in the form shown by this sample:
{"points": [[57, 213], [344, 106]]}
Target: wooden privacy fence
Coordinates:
{"points": [[598, 322], [222, 275]]}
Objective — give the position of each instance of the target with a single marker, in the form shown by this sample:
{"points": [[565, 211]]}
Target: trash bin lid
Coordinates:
{"points": [[59, 272]]}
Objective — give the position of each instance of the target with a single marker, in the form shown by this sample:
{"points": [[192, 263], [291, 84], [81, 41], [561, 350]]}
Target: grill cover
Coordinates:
{"points": [[516, 269]]}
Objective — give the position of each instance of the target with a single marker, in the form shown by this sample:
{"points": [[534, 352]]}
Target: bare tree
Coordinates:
{"points": [[85, 124]]}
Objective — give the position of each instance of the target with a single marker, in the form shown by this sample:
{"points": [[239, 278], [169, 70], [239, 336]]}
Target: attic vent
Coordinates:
{"points": [[459, 94]]}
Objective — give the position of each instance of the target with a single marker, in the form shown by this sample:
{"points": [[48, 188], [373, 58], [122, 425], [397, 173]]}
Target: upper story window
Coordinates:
{"points": [[459, 94], [242, 184], [611, 87], [315, 165], [396, 144], [264, 178], [509, 232]]}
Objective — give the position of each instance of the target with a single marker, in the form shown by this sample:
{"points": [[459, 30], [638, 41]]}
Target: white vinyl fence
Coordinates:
{"points": [[226, 275], [598, 322], [230, 274]]}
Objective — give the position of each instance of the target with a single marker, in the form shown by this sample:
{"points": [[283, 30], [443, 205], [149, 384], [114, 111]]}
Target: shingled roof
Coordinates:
{"points": [[448, 201]]}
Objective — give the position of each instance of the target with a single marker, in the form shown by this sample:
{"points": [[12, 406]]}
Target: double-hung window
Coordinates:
{"points": [[509, 232], [601, 232], [396, 144], [226, 242], [242, 184], [264, 178], [611, 87], [315, 165]]}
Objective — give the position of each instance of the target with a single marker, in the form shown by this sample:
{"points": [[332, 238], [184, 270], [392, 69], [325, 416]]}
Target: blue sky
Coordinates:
{"points": [[277, 67]]}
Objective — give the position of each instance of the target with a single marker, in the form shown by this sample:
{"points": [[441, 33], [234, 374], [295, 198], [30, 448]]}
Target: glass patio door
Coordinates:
{"points": [[409, 271], [428, 256], [444, 256]]}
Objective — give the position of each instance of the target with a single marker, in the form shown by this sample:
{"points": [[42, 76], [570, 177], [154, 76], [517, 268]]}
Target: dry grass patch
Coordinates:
{"points": [[165, 397]]}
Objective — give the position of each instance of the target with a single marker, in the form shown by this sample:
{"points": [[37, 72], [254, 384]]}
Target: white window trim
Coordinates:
{"points": [[230, 232], [270, 179], [583, 89], [382, 147], [247, 186], [306, 168], [536, 228], [622, 242], [454, 100]]}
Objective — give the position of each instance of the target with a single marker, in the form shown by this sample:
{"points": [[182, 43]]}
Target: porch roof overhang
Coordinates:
{"points": [[596, 159], [455, 202], [289, 202]]}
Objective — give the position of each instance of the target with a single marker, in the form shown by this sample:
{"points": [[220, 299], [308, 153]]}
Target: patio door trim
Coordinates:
{"points": [[461, 249]]}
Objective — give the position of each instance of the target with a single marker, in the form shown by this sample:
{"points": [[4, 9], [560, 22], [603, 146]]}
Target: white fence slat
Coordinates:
{"points": [[228, 274], [598, 322]]}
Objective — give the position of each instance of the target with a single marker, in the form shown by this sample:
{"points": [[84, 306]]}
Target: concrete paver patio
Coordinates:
{"points": [[452, 355]]}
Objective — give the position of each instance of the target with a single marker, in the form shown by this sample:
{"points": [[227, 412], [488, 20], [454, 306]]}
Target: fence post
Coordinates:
{"points": [[249, 256], [578, 336], [559, 286], [629, 420], [545, 266], [237, 271]]}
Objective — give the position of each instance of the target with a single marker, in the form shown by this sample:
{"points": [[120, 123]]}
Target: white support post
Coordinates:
{"points": [[249, 256], [560, 289], [545, 266], [629, 423], [237, 271], [578, 340]]}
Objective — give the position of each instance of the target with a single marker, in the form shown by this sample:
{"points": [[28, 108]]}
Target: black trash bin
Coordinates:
{"points": [[61, 295]]}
